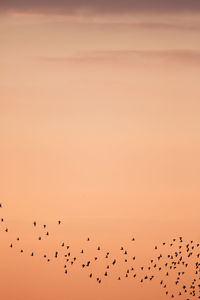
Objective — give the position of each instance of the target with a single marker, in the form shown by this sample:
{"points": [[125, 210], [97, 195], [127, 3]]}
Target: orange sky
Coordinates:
{"points": [[99, 127]]}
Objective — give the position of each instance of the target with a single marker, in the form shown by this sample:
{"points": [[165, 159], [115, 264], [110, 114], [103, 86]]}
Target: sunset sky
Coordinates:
{"points": [[99, 127]]}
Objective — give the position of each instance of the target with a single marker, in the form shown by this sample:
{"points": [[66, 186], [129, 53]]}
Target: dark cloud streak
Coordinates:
{"points": [[69, 7]]}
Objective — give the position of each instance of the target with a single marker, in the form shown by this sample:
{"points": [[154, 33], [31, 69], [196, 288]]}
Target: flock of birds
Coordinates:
{"points": [[172, 264]]}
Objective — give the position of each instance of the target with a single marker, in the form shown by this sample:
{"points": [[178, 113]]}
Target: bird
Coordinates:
{"points": [[88, 263], [114, 262]]}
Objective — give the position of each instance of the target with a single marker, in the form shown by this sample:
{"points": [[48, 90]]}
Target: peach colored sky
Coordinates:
{"points": [[99, 126]]}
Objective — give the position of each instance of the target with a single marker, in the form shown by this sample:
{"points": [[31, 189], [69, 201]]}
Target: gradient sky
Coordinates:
{"points": [[99, 127]]}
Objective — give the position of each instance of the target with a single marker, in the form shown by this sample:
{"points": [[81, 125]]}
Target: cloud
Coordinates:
{"points": [[69, 7], [166, 26], [132, 57]]}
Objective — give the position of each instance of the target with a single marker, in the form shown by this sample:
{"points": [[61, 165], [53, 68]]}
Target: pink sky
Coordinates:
{"points": [[100, 127]]}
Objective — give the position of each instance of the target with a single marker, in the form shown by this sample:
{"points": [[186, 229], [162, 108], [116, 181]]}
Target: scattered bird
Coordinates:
{"points": [[173, 263]]}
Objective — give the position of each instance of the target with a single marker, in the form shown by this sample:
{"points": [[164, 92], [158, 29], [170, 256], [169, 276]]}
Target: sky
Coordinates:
{"points": [[99, 127]]}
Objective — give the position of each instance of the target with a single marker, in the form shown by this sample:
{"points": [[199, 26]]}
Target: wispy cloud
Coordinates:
{"points": [[100, 6], [131, 57]]}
